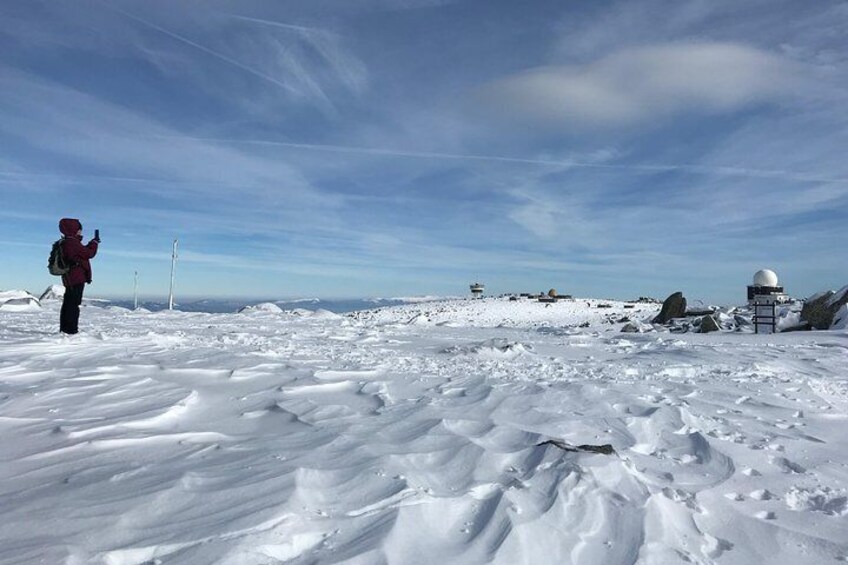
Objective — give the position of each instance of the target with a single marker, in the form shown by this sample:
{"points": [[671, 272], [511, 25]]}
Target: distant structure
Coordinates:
{"points": [[477, 290], [173, 270], [766, 289]]}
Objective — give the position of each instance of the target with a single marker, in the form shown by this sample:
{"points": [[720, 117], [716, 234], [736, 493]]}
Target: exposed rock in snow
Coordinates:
{"points": [[673, 307], [816, 311], [820, 309], [53, 292], [839, 298], [840, 320], [708, 324]]}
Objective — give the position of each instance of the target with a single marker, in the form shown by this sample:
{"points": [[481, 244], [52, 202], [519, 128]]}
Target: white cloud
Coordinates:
{"points": [[635, 86]]}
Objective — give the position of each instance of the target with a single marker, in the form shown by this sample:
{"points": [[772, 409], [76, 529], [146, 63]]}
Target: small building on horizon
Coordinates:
{"points": [[477, 290]]}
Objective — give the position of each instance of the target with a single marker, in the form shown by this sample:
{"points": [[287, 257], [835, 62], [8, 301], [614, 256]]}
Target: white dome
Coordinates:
{"points": [[765, 277]]}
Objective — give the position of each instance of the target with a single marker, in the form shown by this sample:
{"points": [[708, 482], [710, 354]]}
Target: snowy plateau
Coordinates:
{"points": [[429, 433]]}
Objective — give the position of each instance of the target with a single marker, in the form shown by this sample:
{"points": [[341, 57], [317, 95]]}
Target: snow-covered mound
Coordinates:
{"points": [[53, 292], [18, 301], [491, 349], [424, 298], [322, 314], [314, 314], [494, 431], [492, 312], [264, 307]]}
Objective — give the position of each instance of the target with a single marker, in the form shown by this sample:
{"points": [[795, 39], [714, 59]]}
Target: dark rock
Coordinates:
{"points": [[840, 320], [605, 449], [673, 307], [817, 312], [698, 313], [709, 324], [836, 302], [742, 320]]}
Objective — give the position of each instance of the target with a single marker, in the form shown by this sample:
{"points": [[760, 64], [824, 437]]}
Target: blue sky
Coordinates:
{"points": [[390, 147]]}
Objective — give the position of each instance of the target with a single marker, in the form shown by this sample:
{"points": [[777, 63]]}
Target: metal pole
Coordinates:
{"points": [[173, 268], [135, 292]]}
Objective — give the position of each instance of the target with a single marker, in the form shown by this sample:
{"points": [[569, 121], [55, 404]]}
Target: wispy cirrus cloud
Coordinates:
{"points": [[256, 62], [108, 138]]}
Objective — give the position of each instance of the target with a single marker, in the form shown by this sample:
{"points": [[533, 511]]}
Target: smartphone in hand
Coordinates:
{"points": [[97, 235]]}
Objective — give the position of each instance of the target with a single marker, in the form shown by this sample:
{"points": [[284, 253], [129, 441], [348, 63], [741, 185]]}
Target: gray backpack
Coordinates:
{"points": [[56, 264]]}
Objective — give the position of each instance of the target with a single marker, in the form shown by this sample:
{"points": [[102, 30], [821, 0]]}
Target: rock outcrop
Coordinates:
{"points": [[673, 307], [53, 292], [708, 324], [820, 310], [840, 320]]}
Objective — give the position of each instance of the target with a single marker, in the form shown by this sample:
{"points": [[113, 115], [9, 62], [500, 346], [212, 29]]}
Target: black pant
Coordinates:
{"points": [[69, 318]]}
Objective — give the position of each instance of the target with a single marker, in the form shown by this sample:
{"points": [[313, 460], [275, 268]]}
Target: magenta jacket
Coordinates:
{"points": [[76, 253]]}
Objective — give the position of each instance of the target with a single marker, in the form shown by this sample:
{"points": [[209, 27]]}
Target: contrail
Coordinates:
{"points": [[93, 177], [203, 48], [647, 168], [292, 27]]}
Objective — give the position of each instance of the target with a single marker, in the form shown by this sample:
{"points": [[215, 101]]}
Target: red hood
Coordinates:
{"points": [[69, 226]]}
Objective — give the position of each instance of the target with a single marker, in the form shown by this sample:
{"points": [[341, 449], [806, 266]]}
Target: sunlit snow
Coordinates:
{"points": [[412, 435]]}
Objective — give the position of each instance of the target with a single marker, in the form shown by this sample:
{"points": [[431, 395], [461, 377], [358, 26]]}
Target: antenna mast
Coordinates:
{"points": [[173, 268]]}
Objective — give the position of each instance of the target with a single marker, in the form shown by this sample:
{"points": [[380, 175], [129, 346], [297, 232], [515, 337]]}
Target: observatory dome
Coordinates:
{"points": [[765, 277]]}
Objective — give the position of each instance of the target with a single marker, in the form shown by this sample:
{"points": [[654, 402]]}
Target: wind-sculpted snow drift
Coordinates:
{"points": [[276, 437]]}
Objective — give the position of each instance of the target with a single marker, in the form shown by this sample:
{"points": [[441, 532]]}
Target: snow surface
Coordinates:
{"points": [[411, 435], [18, 301], [262, 307]]}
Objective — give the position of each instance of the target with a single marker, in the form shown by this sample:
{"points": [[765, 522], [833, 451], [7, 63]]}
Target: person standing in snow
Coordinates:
{"points": [[78, 256]]}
